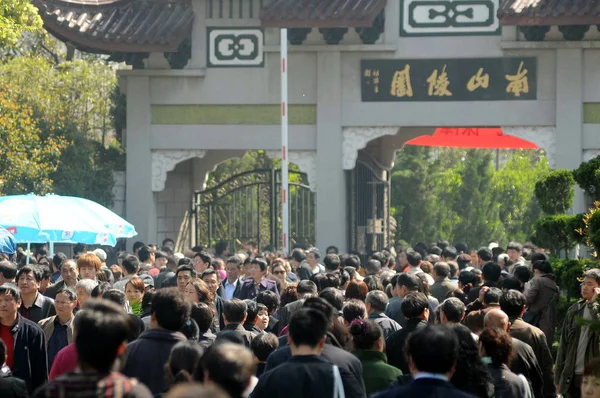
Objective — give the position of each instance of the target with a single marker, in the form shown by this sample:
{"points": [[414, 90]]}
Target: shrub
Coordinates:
{"points": [[587, 176], [553, 232], [555, 191]]}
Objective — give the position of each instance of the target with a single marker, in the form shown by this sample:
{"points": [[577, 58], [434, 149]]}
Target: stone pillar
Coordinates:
{"points": [[569, 115], [332, 218], [198, 59], [140, 200]]}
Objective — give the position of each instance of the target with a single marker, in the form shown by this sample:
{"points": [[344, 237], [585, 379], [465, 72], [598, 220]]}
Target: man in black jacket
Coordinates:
{"points": [[28, 361], [235, 313], [34, 305], [69, 273], [415, 308], [307, 372], [147, 356], [331, 351], [10, 386]]}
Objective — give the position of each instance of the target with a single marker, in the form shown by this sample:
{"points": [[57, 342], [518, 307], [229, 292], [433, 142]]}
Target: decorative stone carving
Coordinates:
{"points": [[165, 160], [306, 162], [357, 138], [589, 154], [544, 137]]}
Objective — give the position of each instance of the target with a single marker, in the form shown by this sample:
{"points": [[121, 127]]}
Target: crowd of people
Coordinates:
{"points": [[428, 321]]}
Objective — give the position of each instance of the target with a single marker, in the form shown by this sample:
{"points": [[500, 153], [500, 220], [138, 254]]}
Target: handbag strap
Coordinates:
{"points": [[338, 386]]}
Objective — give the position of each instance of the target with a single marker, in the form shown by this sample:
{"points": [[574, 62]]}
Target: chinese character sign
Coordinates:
{"points": [[482, 79]]}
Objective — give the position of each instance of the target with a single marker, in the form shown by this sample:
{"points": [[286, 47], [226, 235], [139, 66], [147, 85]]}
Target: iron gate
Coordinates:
{"points": [[247, 208], [369, 190]]}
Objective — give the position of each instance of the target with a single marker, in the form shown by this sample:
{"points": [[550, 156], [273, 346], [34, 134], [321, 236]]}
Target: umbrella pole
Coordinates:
{"points": [[51, 249], [28, 251]]}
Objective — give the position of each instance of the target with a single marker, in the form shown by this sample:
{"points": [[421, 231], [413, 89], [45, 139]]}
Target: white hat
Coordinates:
{"points": [[492, 245], [178, 255], [101, 254]]}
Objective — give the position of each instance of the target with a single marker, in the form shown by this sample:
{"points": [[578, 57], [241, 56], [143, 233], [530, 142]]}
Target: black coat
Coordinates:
{"points": [[53, 289], [394, 344], [332, 354], [524, 362], [10, 386], [42, 308], [147, 356], [30, 357], [425, 388], [239, 329], [305, 376], [506, 383]]}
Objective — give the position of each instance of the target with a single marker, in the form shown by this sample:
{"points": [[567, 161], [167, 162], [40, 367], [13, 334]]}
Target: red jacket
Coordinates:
{"points": [[64, 362]]}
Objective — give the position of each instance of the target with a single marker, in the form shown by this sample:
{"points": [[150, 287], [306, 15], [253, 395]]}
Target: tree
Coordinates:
{"points": [[16, 18], [555, 191], [27, 159]]}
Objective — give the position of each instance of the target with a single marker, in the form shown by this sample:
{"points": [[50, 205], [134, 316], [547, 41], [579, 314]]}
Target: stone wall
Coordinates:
{"points": [[119, 193], [173, 206]]}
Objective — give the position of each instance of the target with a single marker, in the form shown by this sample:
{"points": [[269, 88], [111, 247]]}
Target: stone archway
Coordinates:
{"points": [[165, 160], [306, 162], [542, 136]]}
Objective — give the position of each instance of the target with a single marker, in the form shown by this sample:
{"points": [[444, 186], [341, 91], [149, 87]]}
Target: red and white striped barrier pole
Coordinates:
{"points": [[285, 230]]}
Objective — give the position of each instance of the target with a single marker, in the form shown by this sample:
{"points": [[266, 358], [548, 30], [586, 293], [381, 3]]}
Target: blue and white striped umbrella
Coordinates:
{"points": [[62, 219]]}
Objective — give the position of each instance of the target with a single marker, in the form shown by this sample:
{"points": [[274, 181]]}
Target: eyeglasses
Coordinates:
{"points": [[279, 272]]}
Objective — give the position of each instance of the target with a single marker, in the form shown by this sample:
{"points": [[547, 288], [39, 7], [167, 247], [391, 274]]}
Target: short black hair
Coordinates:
{"points": [[186, 267], [308, 327], [235, 260], [334, 248], [191, 330], [543, 265], [235, 311], [433, 349], [261, 262], [493, 295], [373, 267], [442, 269], [414, 304], [204, 256], [101, 327], [449, 252], [334, 297], [491, 271], [67, 291], [59, 259], [221, 246], [8, 269], [170, 308], [210, 271], [378, 300], [203, 315], [238, 362], [331, 262], [510, 283], [320, 304], [454, 309], [414, 258], [251, 310], [11, 290], [298, 255], [116, 296], [144, 253], [411, 281], [138, 245], [306, 286], [352, 261], [46, 273], [147, 301], [512, 303], [354, 309], [461, 247], [485, 254], [522, 273], [269, 299], [131, 264], [33, 269], [263, 345]]}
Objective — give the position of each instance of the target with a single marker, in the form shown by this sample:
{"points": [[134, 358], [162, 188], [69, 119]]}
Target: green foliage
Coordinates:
{"points": [[568, 274], [17, 17], [70, 104], [577, 228], [555, 191], [587, 176], [553, 232], [456, 194], [27, 159]]}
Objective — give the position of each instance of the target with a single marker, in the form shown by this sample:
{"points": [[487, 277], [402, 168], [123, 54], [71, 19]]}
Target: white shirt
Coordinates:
{"points": [[229, 288]]}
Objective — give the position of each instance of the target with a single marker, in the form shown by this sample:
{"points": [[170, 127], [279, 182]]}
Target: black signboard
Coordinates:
{"points": [[476, 79]]}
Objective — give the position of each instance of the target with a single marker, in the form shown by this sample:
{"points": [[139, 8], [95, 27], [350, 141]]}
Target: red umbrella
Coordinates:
{"points": [[468, 137]]}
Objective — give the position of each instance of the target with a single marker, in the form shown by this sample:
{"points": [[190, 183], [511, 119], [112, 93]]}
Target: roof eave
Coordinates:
{"points": [[528, 20], [316, 23]]}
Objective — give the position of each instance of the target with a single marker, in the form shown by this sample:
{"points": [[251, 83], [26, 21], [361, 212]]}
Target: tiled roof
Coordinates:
{"points": [[105, 26], [549, 12], [321, 13]]}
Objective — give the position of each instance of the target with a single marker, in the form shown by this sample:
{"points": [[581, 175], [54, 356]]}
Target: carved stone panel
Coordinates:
{"points": [[164, 160]]}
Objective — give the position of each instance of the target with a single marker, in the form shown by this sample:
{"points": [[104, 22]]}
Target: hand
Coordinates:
{"points": [[596, 293], [482, 292]]}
